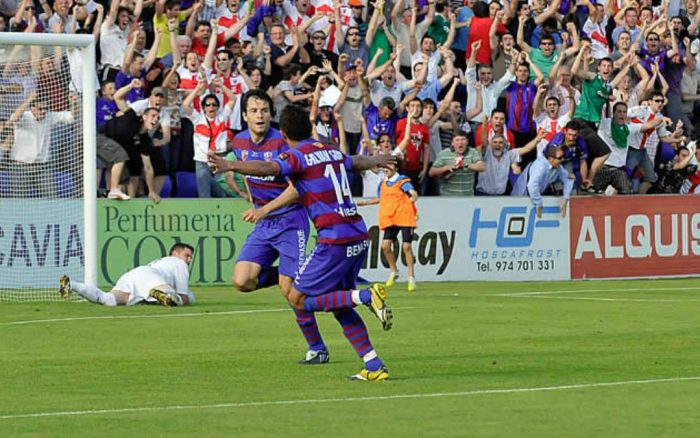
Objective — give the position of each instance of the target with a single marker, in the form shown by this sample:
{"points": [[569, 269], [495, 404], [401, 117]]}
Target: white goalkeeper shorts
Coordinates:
{"points": [[138, 282]]}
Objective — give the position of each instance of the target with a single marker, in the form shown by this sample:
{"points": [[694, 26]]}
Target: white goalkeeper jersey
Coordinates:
{"points": [[174, 271]]}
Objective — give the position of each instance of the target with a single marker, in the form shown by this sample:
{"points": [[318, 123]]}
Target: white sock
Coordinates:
{"points": [[369, 356], [411, 279], [355, 296], [93, 294]]}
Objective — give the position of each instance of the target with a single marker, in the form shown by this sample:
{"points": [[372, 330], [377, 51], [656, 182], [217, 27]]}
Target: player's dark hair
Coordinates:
{"points": [[258, 94], [171, 4], [294, 123], [179, 247]]}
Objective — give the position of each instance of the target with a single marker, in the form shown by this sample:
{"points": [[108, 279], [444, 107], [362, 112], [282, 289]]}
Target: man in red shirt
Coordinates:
{"points": [[480, 27], [496, 125], [417, 152]]}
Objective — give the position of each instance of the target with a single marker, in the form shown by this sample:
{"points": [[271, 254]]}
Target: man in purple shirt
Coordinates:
{"points": [[280, 235], [327, 280]]}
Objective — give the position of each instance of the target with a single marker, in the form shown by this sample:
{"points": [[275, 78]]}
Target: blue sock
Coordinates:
{"points": [[374, 364], [355, 332], [268, 277], [365, 296], [307, 324], [336, 300]]}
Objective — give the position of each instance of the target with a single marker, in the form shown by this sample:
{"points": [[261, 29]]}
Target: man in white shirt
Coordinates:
{"points": [[114, 36], [405, 27], [616, 133], [164, 281], [490, 90], [32, 139]]}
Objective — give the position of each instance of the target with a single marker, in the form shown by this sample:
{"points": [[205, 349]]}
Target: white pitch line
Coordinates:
{"points": [[573, 291], [348, 399], [172, 315], [164, 315], [639, 300]]}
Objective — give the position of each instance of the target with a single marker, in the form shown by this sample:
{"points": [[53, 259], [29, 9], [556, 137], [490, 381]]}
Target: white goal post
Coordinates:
{"points": [[48, 187]]}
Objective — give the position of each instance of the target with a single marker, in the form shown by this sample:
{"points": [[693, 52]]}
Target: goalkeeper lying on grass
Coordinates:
{"points": [[164, 281]]}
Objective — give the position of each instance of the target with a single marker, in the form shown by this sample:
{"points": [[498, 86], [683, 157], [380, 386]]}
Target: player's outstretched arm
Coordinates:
{"points": [[285, 198], [254, 168], [363, 162]]}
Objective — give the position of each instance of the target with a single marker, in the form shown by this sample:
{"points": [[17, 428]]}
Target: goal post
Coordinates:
{"points": [[48, 186]]}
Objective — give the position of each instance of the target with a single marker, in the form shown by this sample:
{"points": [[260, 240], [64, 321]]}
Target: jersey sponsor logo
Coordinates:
{"points": [[268, 156], [283, 156], [356, 249]]}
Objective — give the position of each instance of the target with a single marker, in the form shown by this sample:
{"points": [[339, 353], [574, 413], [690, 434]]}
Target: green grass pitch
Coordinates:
{"points": [[588, 359]]}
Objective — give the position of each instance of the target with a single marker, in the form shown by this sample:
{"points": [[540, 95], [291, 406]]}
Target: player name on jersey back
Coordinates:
{"points": [[323, 156]]}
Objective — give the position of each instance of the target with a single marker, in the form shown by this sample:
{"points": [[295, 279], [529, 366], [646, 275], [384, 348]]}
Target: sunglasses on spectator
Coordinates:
{"points": [[354, 34], [658, 100], [208, 104], [652, 39], [318, 37], [559, 158]]}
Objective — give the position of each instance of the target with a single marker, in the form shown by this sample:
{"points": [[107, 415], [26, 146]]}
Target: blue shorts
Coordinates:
{"points": [[282, 237], [331, 267], [640, 158]]}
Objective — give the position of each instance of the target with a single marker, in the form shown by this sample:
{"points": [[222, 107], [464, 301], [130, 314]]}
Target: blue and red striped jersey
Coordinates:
{"points": [[320, 176], [264, 189]]}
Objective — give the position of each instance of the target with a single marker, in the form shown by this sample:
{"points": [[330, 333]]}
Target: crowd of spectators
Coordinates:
{"points": [[470, 93]]}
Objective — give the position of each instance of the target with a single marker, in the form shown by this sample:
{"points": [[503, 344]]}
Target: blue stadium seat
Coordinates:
{"points": [[4, 184], [64, 185], [186, 184], [167, 189]]}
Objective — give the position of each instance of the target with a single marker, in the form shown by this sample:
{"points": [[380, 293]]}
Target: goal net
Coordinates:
{"points": [[47, 164]]}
